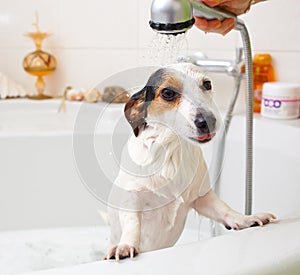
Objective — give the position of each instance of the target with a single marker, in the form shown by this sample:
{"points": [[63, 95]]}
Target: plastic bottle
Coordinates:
{"points": [[263, 71]]}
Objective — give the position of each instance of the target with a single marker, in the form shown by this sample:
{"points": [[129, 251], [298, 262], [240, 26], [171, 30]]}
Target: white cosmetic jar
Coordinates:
{"points": [[280, 100]]}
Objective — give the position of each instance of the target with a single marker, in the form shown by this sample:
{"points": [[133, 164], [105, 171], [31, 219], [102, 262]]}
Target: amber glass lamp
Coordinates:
{"points": [[39, 63]]}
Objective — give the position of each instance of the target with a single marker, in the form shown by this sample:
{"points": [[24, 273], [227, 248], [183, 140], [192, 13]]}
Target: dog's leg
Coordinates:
{"points": [[212, 207], [130, 238]]}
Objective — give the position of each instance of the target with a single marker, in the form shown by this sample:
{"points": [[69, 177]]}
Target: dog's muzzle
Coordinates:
{"points": [[206, 126]]}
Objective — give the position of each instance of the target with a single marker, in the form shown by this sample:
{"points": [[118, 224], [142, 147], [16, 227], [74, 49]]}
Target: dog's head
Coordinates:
{"points": [[178, 96]]}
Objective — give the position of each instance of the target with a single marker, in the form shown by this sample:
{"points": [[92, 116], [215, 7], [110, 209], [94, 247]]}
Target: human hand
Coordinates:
{"points": [[236, 7]]}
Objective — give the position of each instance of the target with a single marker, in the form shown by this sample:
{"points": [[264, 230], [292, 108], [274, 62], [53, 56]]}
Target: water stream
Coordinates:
{"points": [[164, 49]]}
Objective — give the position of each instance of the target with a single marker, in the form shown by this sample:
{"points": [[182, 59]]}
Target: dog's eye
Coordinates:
{"points": [[168, 94], [207, 85]]}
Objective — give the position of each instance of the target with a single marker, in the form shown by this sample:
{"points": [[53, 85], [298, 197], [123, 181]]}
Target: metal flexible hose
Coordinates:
{"points": [[249, 116], [219, 152]]}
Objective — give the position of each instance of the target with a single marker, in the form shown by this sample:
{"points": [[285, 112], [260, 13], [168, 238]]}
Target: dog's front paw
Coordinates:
{"points": [[120, 252], [239, 221]]}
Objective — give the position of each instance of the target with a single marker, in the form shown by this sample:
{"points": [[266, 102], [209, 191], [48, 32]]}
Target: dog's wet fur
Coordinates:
{"points": [[171, 116]]}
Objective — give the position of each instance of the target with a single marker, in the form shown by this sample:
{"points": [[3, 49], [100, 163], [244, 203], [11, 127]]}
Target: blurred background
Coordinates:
{"points": [[94, 39]]}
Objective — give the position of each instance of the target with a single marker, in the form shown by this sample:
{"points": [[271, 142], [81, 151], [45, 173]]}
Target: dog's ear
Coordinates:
{"points": [[136, 108]]}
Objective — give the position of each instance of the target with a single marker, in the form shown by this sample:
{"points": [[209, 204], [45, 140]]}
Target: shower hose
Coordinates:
{"points": [[249, 116], [219, 151], [218, 154]]}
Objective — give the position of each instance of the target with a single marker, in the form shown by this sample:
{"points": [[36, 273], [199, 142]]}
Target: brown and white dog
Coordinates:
{"points": [[170, 117]]}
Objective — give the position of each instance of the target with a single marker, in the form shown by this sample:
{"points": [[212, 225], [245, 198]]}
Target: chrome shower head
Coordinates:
{"points": [[171, 16], [177, 16]]}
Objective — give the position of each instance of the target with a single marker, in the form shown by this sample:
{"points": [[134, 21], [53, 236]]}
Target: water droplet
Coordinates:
{"points": [[165, 48]]}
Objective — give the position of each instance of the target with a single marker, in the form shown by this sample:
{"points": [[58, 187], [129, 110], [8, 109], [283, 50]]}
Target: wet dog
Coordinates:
{"points": [[171, 117]]}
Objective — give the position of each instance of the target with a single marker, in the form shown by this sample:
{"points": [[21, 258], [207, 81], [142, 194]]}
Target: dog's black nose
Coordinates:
{"points": [[205, 123]]}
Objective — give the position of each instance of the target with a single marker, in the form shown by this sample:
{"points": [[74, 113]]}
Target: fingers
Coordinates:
{"points": [[215, 25], [236, 7], [207, 25], [212, 3], [226, 26]]}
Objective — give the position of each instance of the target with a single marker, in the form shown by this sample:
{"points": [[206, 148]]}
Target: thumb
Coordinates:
{"points": [[211, 3]]}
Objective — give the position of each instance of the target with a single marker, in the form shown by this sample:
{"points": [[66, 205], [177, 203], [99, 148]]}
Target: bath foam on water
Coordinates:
{"points": [[41, 249], [165, 48]]}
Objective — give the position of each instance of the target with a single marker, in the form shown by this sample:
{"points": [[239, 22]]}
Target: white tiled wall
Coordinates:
{"points": [[93, 39]]}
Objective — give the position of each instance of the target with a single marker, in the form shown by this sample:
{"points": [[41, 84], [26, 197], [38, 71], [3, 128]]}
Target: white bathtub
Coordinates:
{"points": [[276, 173], [41, 185]]}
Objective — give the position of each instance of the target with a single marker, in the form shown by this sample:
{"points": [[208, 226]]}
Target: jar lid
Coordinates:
{"points": [[281, 89], [262, 59]]}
